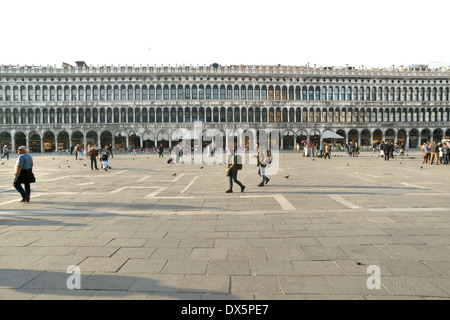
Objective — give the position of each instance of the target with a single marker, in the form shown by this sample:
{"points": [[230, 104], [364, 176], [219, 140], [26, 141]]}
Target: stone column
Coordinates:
{"points": [[42, 143]]}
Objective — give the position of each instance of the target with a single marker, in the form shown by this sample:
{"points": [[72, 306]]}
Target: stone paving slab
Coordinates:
{"points": [[149, 230]]}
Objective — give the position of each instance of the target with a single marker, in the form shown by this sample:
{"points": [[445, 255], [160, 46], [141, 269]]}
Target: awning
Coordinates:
{"points": [[328, 134]]}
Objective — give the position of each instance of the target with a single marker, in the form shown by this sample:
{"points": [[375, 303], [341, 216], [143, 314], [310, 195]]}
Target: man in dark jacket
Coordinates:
{"points": [[161, 151], [93, 154], [232, 170], [387, 151]]}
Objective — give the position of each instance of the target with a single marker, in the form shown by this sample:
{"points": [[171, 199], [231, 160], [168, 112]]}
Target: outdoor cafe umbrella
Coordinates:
{"points": [[306, 141]]}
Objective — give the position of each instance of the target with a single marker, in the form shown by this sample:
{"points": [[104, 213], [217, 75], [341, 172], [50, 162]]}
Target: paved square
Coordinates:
{"points": [[150, 230]]}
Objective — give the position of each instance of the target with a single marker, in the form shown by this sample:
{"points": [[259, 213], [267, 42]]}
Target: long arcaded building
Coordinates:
{"points": [[48, 108]]}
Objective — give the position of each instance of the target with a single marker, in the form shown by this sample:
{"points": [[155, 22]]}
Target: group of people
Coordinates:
{"points": [[323, 150], [437, 152], [264, 158]]}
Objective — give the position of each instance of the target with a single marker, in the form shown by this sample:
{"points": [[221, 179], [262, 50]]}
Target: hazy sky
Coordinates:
{"points": [[255, 32]]}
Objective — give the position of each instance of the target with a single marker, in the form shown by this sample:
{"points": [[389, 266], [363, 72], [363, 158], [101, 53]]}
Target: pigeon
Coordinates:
{"points": [[174, 174], [201, 167], [287, 177], [313, 159], [3, 163], [421, 167], [170, 160], [84, 164], [68, 166], [53, 158], [348, 165]]}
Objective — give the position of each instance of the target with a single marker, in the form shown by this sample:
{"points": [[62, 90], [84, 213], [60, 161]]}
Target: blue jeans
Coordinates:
{"points": [[24, 193], [262, 173]]}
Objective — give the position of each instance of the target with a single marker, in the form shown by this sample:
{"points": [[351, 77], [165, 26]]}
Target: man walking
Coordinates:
{"points": [[262, 161], [93, 154], [110, 151], [232, 170], [23, 174], [327, 151], [434, 152], [161, 151], [5, 152]]}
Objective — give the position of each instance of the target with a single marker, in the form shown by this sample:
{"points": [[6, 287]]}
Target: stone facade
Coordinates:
{"points": [[48, 108]]}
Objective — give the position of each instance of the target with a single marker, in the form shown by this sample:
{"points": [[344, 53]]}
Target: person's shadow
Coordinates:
{"points": [[33, 284]]}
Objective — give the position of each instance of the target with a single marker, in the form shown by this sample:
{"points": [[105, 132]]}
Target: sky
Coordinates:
{"points": [[233, 32]]}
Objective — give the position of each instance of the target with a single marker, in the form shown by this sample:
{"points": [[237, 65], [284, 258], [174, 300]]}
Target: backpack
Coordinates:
{"points": [[269, 156]]}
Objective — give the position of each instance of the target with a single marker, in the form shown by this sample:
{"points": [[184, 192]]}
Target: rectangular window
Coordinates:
{"points": [[201, 93], [158, 93], [81, 93], [144, 93], [208, 93], [215, 93], [250, 93], [187, 93], [166, 93], [138, 93], [173, 93], [222, 93], [194, 93], [152, 93], [95, 96]]}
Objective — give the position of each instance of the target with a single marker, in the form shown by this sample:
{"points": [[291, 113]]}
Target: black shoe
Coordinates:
{"points": [[267, 181], [261, 185], [229, 191], [242, 188]]}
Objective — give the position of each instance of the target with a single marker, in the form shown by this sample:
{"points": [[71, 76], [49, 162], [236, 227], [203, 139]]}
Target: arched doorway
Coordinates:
{"points": [[390, 135], [5, 139], [365, 137], [63, 141], [353, 136], [20, 139], [413, 139], [401, 137], [163, 139], [377, 136], [437, 135], [425, 136], [315, 137], [148, 139], [77, 138], [105, 139], [35, 142], [134, 140], [288, 140], [49, 141], [92, 138]]}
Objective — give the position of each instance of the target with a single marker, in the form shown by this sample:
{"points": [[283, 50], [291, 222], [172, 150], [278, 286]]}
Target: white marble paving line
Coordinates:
{"points": [[343, 201], [189, 185]]}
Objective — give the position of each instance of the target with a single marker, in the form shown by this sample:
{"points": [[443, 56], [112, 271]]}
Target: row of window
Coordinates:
{"points": [[215, 92], [216, 114]]}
